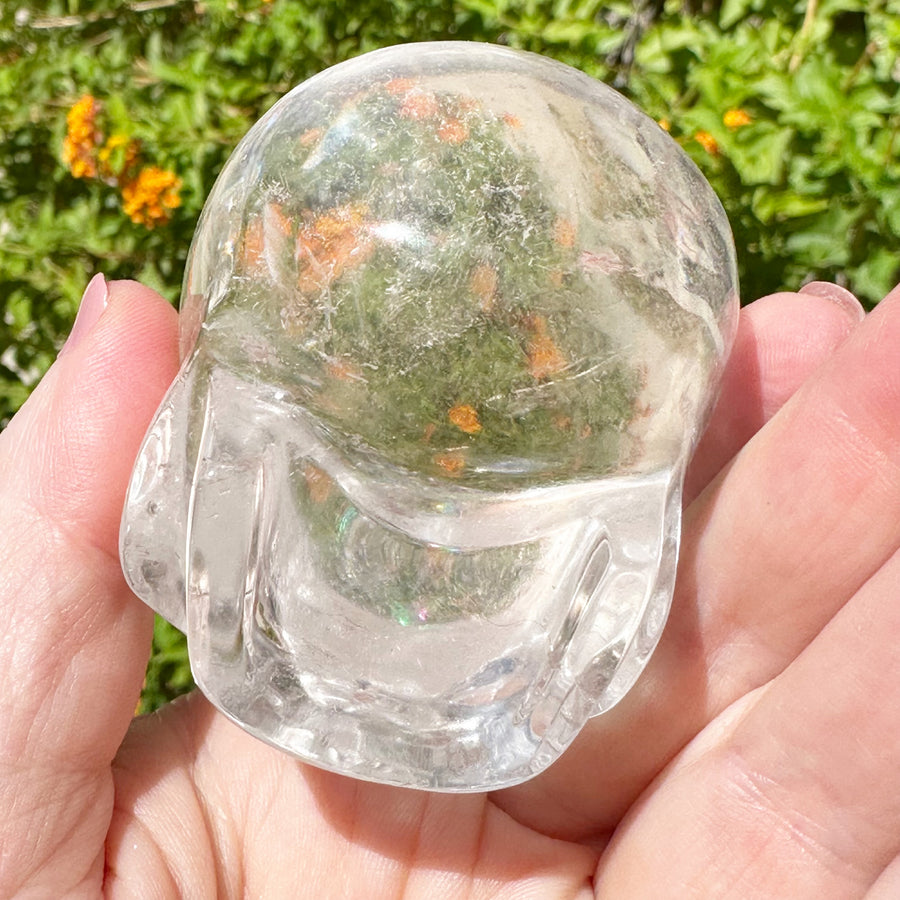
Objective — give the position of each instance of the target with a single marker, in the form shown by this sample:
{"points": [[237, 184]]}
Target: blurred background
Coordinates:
{"points": [[115, 118]]}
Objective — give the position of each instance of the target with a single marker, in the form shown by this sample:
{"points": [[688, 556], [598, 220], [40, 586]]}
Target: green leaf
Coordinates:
{"points": [[759, 152], [825, 242], [769, 205], [877, 274], [732, 11]]}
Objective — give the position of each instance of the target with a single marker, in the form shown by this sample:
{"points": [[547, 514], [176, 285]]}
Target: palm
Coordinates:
{"points": [[756, 757]]}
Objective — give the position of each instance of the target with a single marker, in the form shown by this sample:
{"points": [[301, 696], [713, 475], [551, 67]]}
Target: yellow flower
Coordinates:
{"points": [[665, 124], [151, 196], [81, 120], [707, 142], [736, 118], [82, 137]]}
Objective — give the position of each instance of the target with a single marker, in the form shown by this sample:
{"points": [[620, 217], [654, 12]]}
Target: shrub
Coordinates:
{"points": [[790, 109]]}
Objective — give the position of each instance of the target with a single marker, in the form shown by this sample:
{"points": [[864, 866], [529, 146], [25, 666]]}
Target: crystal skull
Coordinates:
{"points": [[453, 321]]}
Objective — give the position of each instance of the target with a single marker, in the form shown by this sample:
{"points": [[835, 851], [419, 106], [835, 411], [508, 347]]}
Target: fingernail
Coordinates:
{"points": [[93, 302], [836, 294]]}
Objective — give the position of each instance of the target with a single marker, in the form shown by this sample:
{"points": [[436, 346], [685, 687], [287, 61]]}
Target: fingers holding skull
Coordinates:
{"points": [[771, 551]]}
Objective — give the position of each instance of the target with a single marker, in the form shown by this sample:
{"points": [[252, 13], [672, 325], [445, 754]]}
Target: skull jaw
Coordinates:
{"points": [[313, 659], [295, 631], [460, 706]]}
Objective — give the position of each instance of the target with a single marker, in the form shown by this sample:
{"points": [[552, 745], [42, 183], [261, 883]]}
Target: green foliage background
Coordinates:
{"points": [[811, 184]]}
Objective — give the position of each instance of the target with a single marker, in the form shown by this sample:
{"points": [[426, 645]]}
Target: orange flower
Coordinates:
{"points": [[150, 197], [465, 418], [270, 226], [81, 120], [331, 244], [544, 357], [511, 120], [82, 137], [453, 131], [80, 165], [311, 136], [451, 463], [344, 370], [707, 142], [399, 86], [564, 232], [665, 124], [483, 284], [736, 118], [419, 105], [318, 483]]}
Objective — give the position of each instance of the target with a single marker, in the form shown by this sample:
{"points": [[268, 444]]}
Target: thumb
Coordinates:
{"points": [[68, 452], [76, 641]]}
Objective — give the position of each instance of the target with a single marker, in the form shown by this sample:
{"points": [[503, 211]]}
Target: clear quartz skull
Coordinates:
{"points": [[453, 321]]}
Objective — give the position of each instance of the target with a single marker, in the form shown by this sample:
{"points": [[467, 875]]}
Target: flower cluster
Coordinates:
{"points": [[149, 193], [82, 137], [331, 244], [150, 198], [732, 119], [423, 105]]}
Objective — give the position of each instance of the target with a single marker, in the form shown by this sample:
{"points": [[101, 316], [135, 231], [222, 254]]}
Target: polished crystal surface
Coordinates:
{"points": [[453, 321]]}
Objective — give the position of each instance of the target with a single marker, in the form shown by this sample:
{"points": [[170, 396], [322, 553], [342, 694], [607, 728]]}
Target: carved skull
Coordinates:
{"points": [[453, 321]]}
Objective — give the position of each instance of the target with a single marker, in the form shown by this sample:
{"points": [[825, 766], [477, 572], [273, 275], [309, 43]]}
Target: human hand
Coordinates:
{"points": [[757, 756]]}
